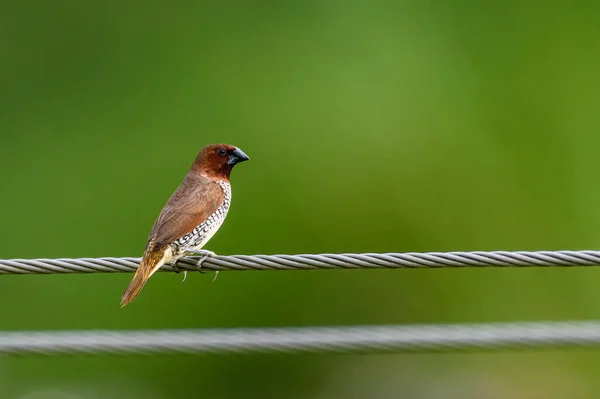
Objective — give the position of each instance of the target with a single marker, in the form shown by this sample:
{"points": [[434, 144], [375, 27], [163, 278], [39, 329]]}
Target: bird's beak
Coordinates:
{"points": [[237, 156]]}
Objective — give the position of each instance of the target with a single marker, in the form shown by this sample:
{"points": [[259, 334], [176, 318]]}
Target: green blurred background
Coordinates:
{"points": [[372, 126]]}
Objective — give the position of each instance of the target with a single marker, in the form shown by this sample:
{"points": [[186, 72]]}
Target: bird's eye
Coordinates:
{"points": [[221, 151]]}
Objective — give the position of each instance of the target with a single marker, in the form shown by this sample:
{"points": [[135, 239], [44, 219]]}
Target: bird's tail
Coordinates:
{"points": [[153, 259]]}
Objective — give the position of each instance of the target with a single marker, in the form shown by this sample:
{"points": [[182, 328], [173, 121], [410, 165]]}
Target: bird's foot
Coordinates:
{"points": [[176, 269], [204, 254], [174, 266]]}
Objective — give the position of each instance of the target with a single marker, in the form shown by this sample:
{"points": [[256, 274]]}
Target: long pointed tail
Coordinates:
{"points": [[153, 259]]}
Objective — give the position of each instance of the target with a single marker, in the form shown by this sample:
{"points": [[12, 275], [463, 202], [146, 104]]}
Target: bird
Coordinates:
{"points": [[191, 216]]}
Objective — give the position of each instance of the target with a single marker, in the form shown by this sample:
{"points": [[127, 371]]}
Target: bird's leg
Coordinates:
{"points": [[176, 269], [204, 254]]}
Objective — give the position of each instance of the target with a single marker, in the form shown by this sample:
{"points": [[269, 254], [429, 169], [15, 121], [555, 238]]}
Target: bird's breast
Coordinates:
{"points": [[202, 233]]}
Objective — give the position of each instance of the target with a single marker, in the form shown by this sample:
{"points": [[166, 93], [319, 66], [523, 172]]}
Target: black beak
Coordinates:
{"points": [[237, 156]]}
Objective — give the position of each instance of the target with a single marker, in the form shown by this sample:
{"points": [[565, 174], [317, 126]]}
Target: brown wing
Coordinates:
{"points": [[191, 204]]}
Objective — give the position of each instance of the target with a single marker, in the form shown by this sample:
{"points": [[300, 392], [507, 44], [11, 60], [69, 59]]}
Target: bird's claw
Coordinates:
{"points": [[203, 258], [177, 270], [204, 254]]}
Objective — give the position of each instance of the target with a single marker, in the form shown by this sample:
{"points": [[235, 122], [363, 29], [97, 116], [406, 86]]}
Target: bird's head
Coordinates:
{"points": [[217, 160]]}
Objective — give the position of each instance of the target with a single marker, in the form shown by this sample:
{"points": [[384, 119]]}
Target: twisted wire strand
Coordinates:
{"points": [[316, 261], [373, 338]]}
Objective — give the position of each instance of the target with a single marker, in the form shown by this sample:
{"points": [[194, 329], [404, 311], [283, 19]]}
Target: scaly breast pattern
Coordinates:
{"points": [[204, 231]]}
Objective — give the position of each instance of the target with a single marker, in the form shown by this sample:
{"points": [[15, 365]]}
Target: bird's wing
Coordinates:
{"points": [[192, 203]]}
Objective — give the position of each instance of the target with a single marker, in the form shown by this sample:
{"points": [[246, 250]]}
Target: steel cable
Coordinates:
{"points": [[368, 338], [317, 261]]}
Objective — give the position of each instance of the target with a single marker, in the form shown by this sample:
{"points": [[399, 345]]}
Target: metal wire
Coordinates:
{"points": [[319, 261], [392, 338]]}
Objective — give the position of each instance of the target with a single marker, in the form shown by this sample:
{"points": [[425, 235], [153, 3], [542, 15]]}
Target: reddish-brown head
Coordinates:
{"points": [[217, 160]]}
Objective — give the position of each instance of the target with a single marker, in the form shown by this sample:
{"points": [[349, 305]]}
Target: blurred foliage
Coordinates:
{"points": [[372, 126]]}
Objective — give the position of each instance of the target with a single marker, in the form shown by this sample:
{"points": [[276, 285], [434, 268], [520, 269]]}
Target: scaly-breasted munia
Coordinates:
{"points": [[191, 216]]}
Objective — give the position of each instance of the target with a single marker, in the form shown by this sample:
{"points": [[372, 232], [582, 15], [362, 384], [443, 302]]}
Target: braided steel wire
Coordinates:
{"points": [[391, 338], [317, 261]]}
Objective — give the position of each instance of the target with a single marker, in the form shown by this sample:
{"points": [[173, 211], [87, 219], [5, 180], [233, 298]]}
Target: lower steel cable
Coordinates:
{"points": [[365, 339]]}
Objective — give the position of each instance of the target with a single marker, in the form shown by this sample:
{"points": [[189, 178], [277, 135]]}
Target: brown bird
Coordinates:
{"points": [[191, 216]]}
